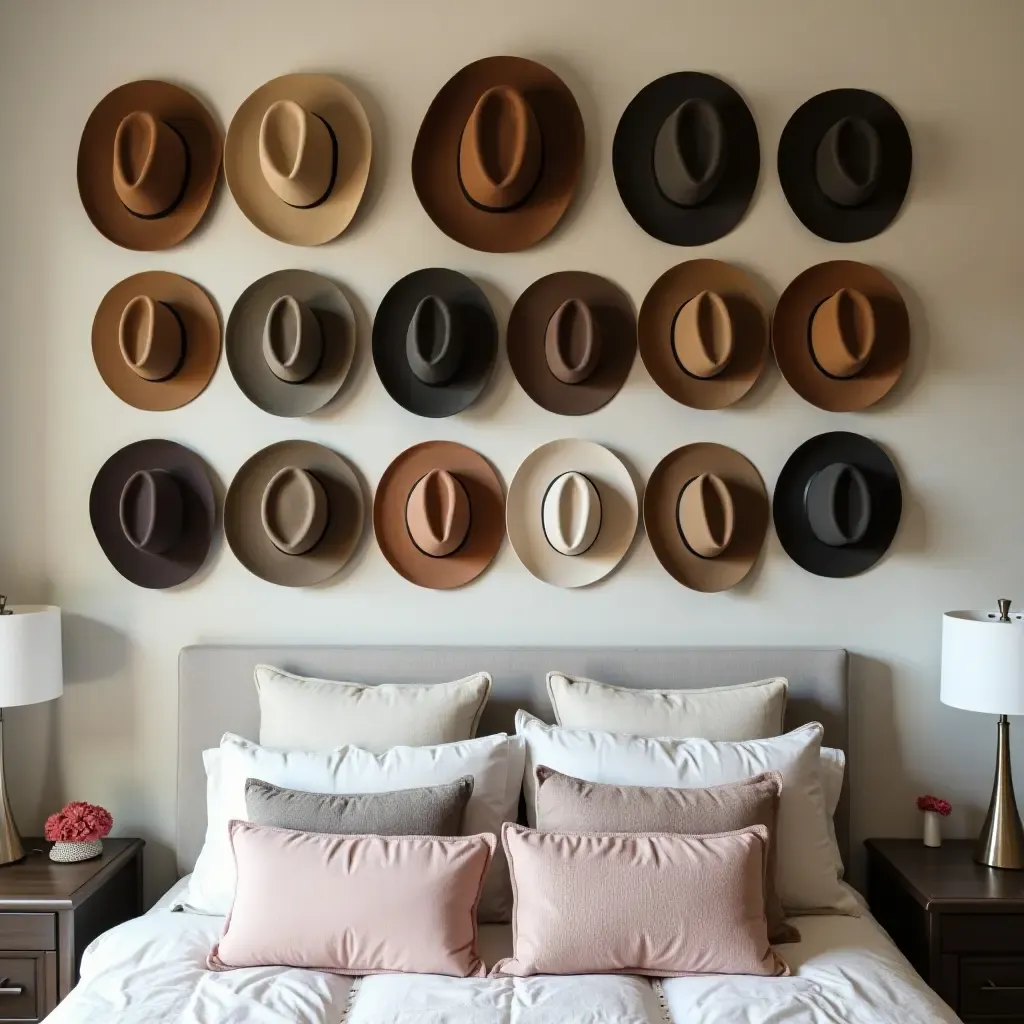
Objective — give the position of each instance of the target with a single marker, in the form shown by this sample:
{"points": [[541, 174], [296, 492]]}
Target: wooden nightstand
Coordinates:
{"points": [[50, 912], [960, 924]]}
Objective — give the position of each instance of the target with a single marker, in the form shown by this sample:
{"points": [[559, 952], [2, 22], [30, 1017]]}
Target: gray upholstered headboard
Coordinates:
{"points": [[216, 693]]}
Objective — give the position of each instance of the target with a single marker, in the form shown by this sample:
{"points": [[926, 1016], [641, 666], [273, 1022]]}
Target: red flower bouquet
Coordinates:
{"points": [[79, 823], [933, 803]]}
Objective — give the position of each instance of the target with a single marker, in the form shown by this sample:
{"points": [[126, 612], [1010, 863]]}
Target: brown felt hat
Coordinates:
{"points": [[841, 335], [439, 514], [499, 154], [147, 164], [294, 513], [706, 514], [156, 340], [703, 333], [571, 341]]}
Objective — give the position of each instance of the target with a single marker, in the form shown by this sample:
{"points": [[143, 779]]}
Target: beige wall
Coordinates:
{"points": [[954, 425]]}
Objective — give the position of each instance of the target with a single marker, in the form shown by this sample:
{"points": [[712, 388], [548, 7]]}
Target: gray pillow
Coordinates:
{"points": [[428, 811]]}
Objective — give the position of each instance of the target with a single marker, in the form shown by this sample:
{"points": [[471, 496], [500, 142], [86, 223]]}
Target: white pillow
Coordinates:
{"points": [[833, 768], [747, 711], [300, 713], [495, 762], [806, 867]]}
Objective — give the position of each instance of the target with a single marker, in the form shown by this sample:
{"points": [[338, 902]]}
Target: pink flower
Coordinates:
{"points": [[79, 822], [933, 803]]}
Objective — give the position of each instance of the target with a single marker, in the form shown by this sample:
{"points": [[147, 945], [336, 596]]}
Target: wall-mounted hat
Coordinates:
{"points": [[571, 341], [841, 335], [498, 154], [837, 504], [706, 514], [439, 514], [572, 512], [434, 342], [289, 341], [686, 158], [297, 157], [156, 340], [153, 512], [844, 164], [294, 513], [703, 333]]}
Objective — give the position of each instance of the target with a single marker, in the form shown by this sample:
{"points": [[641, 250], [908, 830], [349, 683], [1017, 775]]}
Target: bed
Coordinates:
{"points": [[844, 971]]}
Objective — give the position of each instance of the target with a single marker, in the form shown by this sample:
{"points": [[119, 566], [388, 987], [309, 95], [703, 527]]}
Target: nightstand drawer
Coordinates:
{"points": [[991, 986], [28, 931], [983, 933], [22, 983]]}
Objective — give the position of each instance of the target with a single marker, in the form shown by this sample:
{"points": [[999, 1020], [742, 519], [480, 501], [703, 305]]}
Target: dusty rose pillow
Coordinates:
{"points": [[354, 904], [649, 903]]}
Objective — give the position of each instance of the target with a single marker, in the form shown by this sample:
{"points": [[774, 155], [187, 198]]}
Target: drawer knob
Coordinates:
{"points": [[7, 989], [991, 986]]}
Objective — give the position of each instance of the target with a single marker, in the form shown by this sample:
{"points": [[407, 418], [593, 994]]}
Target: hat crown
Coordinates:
{"points": [[501, 149], [690, 153], [293, 343], [151, 511], [437, 513], [572, 342], [837, 501], [298, 154], [702, 335], [571, 514], [848, 161], [150, 165], [434, 345], [706, 515], [843, 333], [150, 338], [294, 510]]}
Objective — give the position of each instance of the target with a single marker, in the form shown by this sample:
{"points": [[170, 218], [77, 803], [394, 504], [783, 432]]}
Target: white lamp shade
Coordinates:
{"points": [[983, 662], [31, 664]]}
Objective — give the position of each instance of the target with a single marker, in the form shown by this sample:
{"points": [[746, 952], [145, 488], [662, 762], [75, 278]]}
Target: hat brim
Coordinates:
{"points": [[525, 341], [791, 336], [798, 148], [185, 113], [486, 524], [619, 512], [155, 572], [339, 107], [791, 524], [476, 322], [244, 342], [658, 311], [243, 525], [201, 323], [633, 164], [435, 158], [661, 516]]}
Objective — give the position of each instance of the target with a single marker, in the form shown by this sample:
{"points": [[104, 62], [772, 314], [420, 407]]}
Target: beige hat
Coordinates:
{"points": [[572, 512], [297, 157]]}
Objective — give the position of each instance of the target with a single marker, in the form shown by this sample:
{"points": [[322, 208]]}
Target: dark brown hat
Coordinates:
{"points": [[571, 341], [703, 333], [156, 340], [439, 514], [153, 512], [499, 154], [841, 335], [147, 164]]}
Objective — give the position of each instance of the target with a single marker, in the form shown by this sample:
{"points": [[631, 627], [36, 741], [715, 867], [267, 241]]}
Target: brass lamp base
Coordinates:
{"points": [[1001, 843], [10, 842]]}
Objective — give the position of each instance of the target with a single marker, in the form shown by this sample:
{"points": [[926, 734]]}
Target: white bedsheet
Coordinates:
{"points": [[152, 971]]}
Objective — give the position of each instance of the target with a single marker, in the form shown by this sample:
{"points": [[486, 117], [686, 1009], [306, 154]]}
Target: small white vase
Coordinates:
{"points": [[72, 853], [932, 828]]}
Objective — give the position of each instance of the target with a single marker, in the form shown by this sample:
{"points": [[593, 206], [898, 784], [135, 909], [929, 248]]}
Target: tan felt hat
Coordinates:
{"points": [[297, 157], [706, 514], [294, 513], [841, 335], [703, 333], [572, 512], [156, 340], [499, 154], [147, 164], [439, 514]]}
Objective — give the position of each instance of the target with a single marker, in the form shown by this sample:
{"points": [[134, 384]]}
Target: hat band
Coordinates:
{"points": [[334, 170], [454, 551], [504, 209], [185, 178], [176, 369], [600, 517]]}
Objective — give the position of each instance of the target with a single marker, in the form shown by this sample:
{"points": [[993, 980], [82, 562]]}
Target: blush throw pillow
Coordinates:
{"points": [[354, 904], [644, 903]]}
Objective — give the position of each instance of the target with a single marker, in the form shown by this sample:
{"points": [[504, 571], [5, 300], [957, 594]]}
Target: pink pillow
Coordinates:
{"points": [[651, 903], [354, 904]]}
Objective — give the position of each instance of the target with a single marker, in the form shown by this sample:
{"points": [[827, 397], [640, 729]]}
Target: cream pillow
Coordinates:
{"points": [[748, 711], [301, 713]]}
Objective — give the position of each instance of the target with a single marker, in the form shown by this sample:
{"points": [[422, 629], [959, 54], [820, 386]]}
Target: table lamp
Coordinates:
{"points": [[983, 670], [31, 670]]}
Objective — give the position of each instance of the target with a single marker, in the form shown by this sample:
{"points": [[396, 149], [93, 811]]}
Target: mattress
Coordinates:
{"points": [[152, 970]]}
